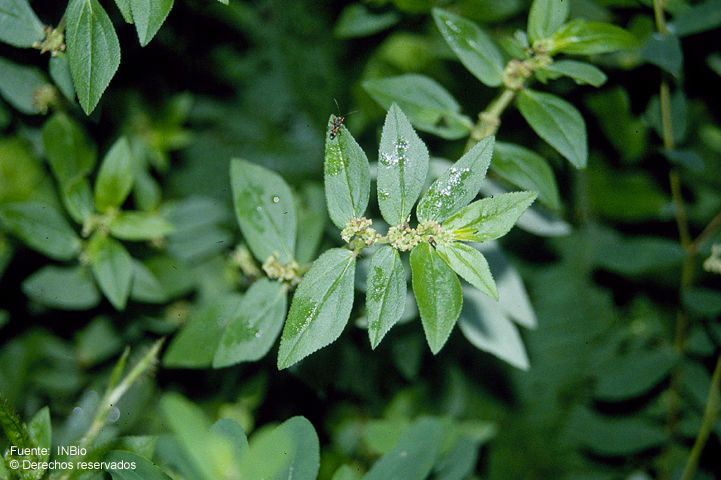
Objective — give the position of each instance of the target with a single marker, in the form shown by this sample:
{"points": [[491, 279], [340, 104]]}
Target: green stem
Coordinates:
{"points": [[490, 119]]}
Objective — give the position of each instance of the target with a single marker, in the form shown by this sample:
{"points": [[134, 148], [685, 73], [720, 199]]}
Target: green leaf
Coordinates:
{"points": [[636, 255], [489, 218], [626, 132], [265, 210], [320, 307], [429, 106], [347, 177], [112, 267], [69, 153], [402, 167], [633, 374], [414, 454], [557, 122], [385, 293], [311, 210], [347, 472], [139, 226], [545, 17], [256, 324], [18, 83], [42, 228], [93, 50], [115, 177], [67, 288], [289, 451], [149, 16], [484, 323], [460, 460], [97, 342], [581, 37], [59, 69], [146, 287], [357, 21], [580, 72], [698, 18], [40, 430], [472, 45], [458, 185], [438, 294], [471, 265], [528, 170], [19, 26], [233, 433], [615, 437], [143, 469], [125, 11], [665, 52]]}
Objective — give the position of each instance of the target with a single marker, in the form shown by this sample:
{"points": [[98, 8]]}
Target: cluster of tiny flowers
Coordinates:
{"points": [[361, 228], [713, 263], [517, 72], [433, 232], [280, 271], [402, 237]]}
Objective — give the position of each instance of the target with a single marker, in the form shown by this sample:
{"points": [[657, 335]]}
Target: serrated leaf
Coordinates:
{"points": [[438, 294], [485, 324], [67, 288], [149, 16], [18, 83], [414, 454], [347, 176], [429, 106], [471, 265], [402, 167], [139, 226], [545, 17], [580, 72], [385, 293], [93, 50], [124, 7], [42, 228], [265, 210], [19, 26], [320, 307], [143, 469], [291, 450], [115, 177], [557, 122], [528, 170], [582, 37], [458, 185], [489, 218], [472, 45], [112, 267], [256, 324]]}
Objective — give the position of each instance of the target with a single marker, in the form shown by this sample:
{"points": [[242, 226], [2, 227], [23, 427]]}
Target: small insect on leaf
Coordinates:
{"points": [[338, 121]]}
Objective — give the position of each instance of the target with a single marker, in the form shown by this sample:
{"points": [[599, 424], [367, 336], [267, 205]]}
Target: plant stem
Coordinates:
{"points": [[490, 119], [711, 412]]}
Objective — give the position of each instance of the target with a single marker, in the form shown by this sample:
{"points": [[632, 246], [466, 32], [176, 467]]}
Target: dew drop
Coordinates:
{"points": [[113, 415], [384, 194], [276, 199], [403, 453]]}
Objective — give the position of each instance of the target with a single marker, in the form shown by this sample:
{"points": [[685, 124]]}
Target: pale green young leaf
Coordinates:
{"points": [[253, 328], [149, 16], [413, 455], [289, 451], [484, 323], [528, 170], [490, 217], [472, 45], [115, 177], [438, 294], [125, 10], [19, 26], [429, 106], [346, 472], [143, 469], [139, 226], [557, 122], [93, 50], [59, 70], [42, 228], [233, 433], [402, 167], [582, 37], [545, 17], [458, 185], [471, 265], [265, 210], [67, 149], [347, 176], [385, 293], [320, 307], [580, 72], [18, 83], [112, 267], [65, 288]]}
